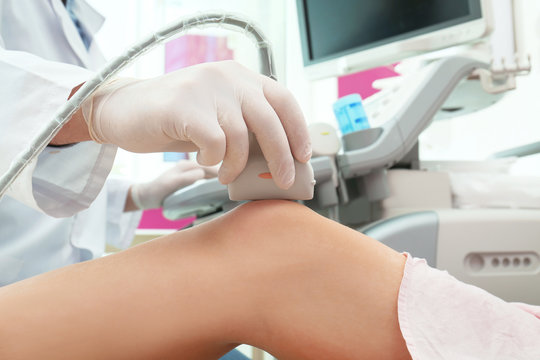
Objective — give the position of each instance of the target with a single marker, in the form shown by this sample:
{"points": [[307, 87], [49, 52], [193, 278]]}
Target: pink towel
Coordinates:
{"points": [[443, 318]]}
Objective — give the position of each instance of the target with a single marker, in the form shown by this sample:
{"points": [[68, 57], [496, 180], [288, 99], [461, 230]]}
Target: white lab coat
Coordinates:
{"points": [[42, 57]]}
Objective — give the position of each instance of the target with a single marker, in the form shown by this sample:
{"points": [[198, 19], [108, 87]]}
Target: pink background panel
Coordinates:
{"points": [[360, 82], [190, 50], [154, 219]]}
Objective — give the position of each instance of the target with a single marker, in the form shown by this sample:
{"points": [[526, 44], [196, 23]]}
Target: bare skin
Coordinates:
{"points": [[75, 130], [272, 274]]}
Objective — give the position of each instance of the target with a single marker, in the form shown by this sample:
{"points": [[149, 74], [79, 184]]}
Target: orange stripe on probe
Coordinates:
{"points": [[265, 175]]}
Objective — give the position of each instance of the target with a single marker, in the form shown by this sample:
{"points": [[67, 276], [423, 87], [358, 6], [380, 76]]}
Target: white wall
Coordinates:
{"points": [[511, 122]]}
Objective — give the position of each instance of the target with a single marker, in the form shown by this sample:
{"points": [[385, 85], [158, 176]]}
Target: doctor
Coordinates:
{"points": [[46, 51], [112, 217], [32, 242], [206, 108]]}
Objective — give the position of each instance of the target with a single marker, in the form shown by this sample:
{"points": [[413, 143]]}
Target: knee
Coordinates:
{"points": [[277, 219], [270, 210], [257, 229]]}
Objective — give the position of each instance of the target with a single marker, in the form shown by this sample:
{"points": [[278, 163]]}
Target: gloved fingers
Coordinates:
{"points": [[237, 142], [185, 165], [185, 178], [208, 136], [210, 172], [151, 195], [179, 146], [265, 124], [292, 118]]}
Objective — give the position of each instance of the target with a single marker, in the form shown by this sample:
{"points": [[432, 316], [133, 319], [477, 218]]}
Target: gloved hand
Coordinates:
{"points": [[151, 194], [206, 108]]}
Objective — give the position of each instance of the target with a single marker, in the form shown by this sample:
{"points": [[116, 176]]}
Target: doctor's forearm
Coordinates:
{"points": [[75, 130]]}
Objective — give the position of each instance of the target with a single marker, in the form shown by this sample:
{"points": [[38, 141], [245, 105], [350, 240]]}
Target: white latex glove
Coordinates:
{"points": [[206, 108], [150, 195]]}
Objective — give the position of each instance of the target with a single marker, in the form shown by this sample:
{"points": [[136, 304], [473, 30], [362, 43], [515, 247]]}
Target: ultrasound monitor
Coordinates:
{"points": [[344, 36]]}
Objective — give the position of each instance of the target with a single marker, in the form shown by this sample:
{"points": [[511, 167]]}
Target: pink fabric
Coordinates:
{"points": [[443, 318]]}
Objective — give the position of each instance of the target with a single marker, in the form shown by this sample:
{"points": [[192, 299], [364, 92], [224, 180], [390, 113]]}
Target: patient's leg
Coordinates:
{"points": [[272, 274]]}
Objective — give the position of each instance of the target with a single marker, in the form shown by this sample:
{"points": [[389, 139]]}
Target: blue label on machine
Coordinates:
{"points": [[350, 114]]}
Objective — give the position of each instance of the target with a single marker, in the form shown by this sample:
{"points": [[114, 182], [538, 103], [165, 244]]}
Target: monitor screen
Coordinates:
{"points": [[336, 28]]}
